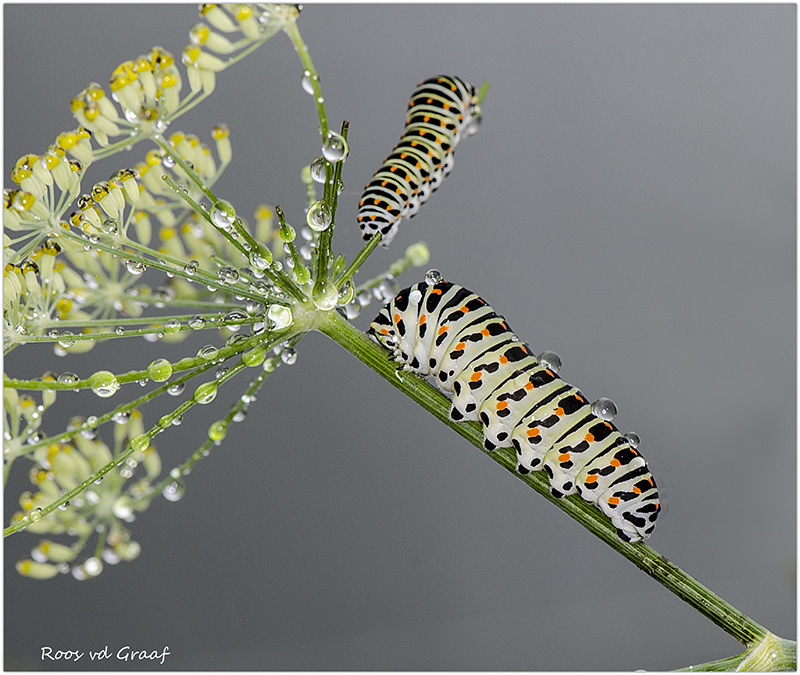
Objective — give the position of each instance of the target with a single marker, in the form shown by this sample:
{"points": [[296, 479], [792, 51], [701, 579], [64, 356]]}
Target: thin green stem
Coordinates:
{"points": [[361, 256], [705, 601]]}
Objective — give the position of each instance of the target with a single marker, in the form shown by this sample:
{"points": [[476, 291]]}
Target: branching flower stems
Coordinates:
{"points": [[72, 281]]}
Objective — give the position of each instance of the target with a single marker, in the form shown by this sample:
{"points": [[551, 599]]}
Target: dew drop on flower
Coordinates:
{"points": [[205, 393], [104, 383], [68, 378], [119, 330], [550, 360], [177, 420], [279, 316], [191, 267], [135, 267], [159, 370], [318, 216], [121, 417], [317, 169], [174, 491], [604, 408], [335, 148], [325, 297]]}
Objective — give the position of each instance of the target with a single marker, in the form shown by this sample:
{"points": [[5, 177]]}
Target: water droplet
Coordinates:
{"points": [[159, 370], [223, 216], [318, 216], [289, 356], [104, 383], [317, 170], [205, 393], [176, 389], [386, 290], [122, 508], [120, 417], [550, 360], [217, 431], [177, 420], [167, 161], [352, 310], [63, 507], [335, 148], [191, 267], [174, 491], [228, 274], [135, 267], [236, 317], [279, 316], [604, 408], [119, 330], [68, 378], [307, 82], [66, 339], [632, 438], [433, 277], [259, 262], [197, 322], [325, 296], [347, 292], [254, 356], [209, 352]]}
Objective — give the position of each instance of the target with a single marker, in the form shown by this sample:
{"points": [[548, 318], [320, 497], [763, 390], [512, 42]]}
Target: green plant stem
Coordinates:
{"points": [[705, 601]]}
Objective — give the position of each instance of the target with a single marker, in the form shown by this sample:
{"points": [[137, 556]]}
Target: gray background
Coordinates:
{"points": [[629, 202]]}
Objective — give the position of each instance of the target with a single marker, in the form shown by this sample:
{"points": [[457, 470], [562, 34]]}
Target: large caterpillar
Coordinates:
{"points": [[441, 111], [441, 329]]}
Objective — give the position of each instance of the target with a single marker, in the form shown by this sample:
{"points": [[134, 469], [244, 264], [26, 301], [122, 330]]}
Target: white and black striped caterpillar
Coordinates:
{"points": [[441, 111], [441, 329]]}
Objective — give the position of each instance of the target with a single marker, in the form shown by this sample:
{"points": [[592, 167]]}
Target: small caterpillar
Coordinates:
{"points": [[441, 329], [442, 109]]}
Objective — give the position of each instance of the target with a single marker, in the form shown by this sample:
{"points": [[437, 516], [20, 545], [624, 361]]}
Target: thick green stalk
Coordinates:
{"points": [[705, 601]]}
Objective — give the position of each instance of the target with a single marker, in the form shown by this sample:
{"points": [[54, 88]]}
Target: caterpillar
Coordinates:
{"points": [[442, 110], [443, 330]]}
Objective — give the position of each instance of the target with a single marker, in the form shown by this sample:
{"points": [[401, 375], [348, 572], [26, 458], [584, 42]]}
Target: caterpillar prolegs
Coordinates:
{"points": [[442, 110], [443, 330]]}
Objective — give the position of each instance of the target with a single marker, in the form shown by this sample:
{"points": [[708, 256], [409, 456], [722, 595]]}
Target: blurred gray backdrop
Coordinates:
{"points": [[628, 202]]}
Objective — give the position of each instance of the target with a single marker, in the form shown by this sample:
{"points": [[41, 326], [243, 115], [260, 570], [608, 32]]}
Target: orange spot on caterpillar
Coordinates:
{"points": [[591, 479], [476, 376], [504, 359], [564, 458], [502, 405], [533, 432], [615, 463], [559, 411], [589, 438], [613, 501], [636, 490]]}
